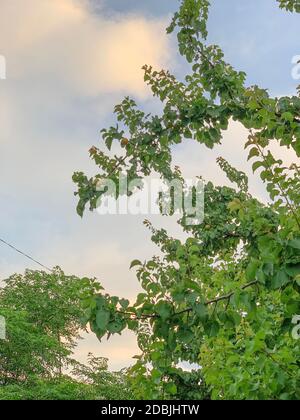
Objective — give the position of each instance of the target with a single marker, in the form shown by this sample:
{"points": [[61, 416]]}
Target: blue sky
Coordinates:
{"points": [[153, 7], [67, 65]]}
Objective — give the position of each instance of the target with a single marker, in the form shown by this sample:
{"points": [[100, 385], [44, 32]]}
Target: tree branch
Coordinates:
{"points": [[187, 310]]}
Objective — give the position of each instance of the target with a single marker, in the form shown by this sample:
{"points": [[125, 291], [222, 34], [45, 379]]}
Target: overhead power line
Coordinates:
{"points": [[25, 255]]}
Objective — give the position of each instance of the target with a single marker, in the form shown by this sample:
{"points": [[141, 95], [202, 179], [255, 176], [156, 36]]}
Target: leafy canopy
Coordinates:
{"points": [[44, 314], [225, 298]]}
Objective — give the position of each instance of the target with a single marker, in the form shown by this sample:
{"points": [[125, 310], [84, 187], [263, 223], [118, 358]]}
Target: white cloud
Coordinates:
{"points": [[65, 70], [61, 41]]}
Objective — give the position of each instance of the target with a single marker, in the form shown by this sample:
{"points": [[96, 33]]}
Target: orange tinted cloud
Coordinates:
{"points": [[91, 54]]}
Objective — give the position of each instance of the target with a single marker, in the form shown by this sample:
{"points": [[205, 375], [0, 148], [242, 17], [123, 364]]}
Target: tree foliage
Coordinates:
{"points": [[225, 298], [290, 5], [64, 388], [43, 314]]}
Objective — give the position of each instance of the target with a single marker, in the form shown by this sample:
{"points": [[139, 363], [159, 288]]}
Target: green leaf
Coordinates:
{"points": [[190, 284], [108, 142], [102, 319], [124, 303], [185, 335], [164, 310], [116, 326], [257, 165], [201, 311], [280, 279], [293, 270], [253, 152], [288, 116], [294, 243], [156, 355], [141, 297], [235, 205], [135, 263], [251, 270], [171, 389], [212, 329], [156, 376]]}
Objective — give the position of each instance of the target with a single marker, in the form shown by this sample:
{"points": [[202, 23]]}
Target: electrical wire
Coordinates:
{"points": [[24, 254]]}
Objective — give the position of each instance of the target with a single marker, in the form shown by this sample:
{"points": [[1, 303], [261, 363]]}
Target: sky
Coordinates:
{"points": [[68, 63]]}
